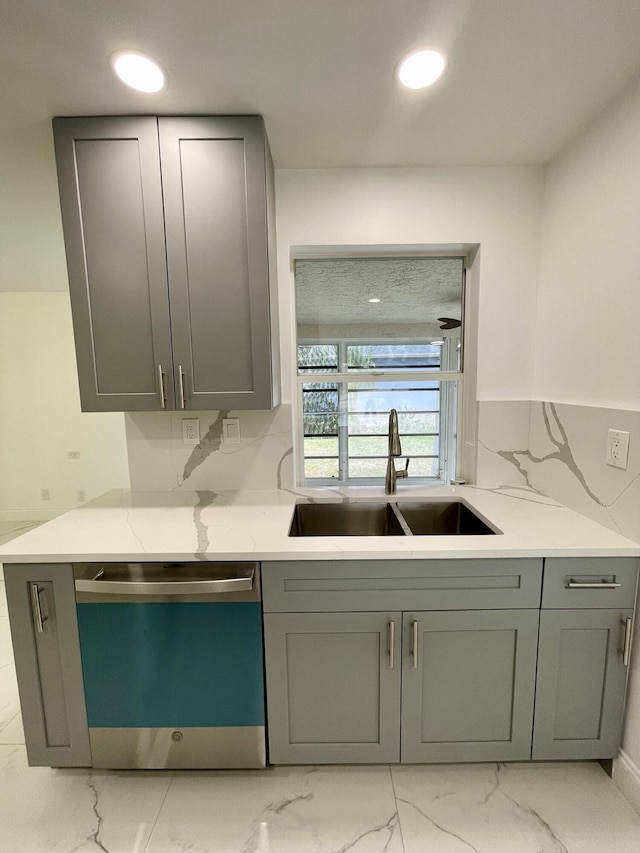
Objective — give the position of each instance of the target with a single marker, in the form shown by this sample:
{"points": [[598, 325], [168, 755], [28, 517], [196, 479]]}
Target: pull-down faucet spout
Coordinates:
{"points": [[395, 449]]}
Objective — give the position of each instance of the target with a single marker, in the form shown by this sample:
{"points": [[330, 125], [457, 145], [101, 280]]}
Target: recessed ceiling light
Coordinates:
{"points": [[421, 69], [374, 300], [138, 70]]}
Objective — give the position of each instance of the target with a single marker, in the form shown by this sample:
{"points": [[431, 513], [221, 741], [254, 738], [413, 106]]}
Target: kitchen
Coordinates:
{"points": [[555, 241]]}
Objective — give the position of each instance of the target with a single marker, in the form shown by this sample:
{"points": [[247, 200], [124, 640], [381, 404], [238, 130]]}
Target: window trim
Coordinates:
{"points": [[464, 401]]}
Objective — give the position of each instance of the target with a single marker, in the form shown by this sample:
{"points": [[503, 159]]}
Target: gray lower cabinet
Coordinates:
{"points": [[581, 684], [44, 631], [464, 680], [333, 687], [468, 685], [169, 234]]}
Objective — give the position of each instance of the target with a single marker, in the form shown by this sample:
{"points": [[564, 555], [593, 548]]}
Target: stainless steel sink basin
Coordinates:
{"points": [[423, 518], [345, 519], [443, 518]]}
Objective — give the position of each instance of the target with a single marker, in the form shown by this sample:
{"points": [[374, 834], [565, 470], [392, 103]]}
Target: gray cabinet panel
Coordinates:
{"points": [[111, 200], [580, 684], [215, 185], [468, 685], [48, 664], [559, 573], [169, 230], [332, 694], [331, 585]]}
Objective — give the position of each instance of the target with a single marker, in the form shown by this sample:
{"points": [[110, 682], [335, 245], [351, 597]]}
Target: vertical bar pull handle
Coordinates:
{"points": [[414, 643], [183, 402], [161, 386], [37, 611], [625, 650], [392, 642]]}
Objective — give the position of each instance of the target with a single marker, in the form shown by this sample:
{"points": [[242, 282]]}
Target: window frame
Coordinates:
{"points": [[461, 423]]}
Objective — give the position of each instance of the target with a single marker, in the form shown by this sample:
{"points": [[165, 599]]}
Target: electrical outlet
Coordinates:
{"points": [[73, 454], [231, 430], [81, 495], [45, 494], [190, 431], [617, 448]]}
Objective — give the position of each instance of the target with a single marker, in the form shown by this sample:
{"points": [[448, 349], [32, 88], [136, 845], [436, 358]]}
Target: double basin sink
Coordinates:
{"points": [[404, 518]]}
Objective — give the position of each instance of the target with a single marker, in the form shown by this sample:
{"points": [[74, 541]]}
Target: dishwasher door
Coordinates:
{"points": [[172, 662]]}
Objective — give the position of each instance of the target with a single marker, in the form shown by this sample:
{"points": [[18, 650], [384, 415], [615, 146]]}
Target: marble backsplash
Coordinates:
{"points": [[159, 461], [559, 449]]}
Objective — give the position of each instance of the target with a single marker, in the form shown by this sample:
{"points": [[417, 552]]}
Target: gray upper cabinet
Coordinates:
{"points": [[168, 228], [44, 630]]}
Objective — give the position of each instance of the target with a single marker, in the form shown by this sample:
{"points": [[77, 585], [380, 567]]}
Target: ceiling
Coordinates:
{"points": [[524, 76], [336, 292]]}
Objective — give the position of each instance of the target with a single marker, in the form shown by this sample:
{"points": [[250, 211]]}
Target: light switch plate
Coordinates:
{"points": [[617, 448], [231, 430], [190, 431]]}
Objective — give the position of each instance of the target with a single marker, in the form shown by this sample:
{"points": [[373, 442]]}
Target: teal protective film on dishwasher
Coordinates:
{"points": [[158, 664]]}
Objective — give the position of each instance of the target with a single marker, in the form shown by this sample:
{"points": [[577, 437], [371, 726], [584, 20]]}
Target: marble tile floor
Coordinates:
{"points": [[486, 808]]}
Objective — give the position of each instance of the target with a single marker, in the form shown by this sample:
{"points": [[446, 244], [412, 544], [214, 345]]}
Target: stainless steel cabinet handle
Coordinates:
{"points": [[414, 643], [183, 402], [37, 611], [161, 386], [573, 584], [392, 642], [207, 587], [625, 650]]}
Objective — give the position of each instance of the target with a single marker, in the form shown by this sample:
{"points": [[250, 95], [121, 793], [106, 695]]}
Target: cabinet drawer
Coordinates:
{"points": [[352, 585], [590, 582]]}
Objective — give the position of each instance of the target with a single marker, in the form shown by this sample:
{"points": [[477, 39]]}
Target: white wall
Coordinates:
{"points": [[588, 323], [40, 417], [496, 207]]}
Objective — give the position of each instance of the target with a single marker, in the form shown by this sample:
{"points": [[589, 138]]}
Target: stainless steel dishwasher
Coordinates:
{"points": [[172, 663]]}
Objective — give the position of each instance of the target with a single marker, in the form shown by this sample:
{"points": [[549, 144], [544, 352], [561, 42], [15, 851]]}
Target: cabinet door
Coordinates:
{"points": [[468, 685], [333, 687], [111, 200], [581, 683], [214, 174], [44, 630]]}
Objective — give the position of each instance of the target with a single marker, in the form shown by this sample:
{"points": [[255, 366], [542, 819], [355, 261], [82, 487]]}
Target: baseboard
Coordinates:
{"points": [[626, 776]]}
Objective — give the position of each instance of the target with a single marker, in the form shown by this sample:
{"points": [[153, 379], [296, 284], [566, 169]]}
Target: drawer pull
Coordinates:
{"points": [[392, 642], [37, 610], [625, 650], [603, 584], [414, 643]]}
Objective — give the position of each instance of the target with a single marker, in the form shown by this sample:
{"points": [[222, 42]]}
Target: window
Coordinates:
{"points": [[365, 362]]}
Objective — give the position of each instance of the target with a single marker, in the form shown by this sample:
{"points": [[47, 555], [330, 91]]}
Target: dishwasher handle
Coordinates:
{"points": [[192, 587]]}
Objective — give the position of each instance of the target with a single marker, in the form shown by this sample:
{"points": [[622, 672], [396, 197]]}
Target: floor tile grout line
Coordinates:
{"points": [[6, 725], [395, 797], [155, 823]]}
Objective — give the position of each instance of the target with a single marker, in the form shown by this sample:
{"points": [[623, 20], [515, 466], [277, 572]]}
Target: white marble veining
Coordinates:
{"points": [[158, 460], [254, 525]]}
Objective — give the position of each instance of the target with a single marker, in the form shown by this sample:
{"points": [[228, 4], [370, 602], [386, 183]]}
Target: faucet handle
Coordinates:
{"points": [[405, 472]]}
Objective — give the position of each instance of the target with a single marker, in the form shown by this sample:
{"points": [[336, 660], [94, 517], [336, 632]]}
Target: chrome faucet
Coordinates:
{"points": [[395, 449]]}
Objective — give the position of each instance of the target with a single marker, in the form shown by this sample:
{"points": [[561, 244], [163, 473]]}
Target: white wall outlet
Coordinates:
{"points": [[617, 448], [190, 431], [81, 495], [73, 454], [45, 494], [231, 430]]}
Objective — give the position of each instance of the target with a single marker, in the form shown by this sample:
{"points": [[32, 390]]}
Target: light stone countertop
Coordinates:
{"points": [[253, 525]]}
